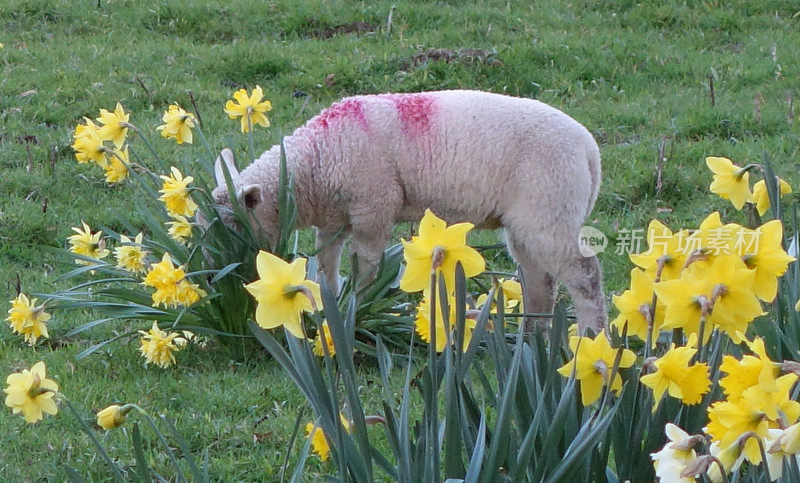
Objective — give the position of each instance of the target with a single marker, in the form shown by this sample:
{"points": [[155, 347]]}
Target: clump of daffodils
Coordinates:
{"points": [[105, 144], [712, 278], [172, 286]]}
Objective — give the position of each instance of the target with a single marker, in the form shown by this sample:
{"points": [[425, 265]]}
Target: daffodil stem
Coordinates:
{"points": [[86, 429], [179, 473], [250, 138], [750, 167], [203, 140], [150, 147], [701, 332]]}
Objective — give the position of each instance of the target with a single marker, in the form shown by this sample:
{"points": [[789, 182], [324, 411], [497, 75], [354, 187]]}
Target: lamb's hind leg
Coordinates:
{"points": [[538, 286]]}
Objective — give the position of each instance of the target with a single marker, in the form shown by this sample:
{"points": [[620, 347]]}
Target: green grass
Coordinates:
{"points": [[632, 72]]}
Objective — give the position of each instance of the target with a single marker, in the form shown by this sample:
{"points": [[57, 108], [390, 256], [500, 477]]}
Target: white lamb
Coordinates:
{"points": [[369, 162]]}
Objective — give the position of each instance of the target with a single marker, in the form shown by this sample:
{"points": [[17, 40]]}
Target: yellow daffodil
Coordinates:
{"points": [[88, 144], [710, 240], [178, 124], [754, 390], [30, 392], [512, 292], [767, 258], [761, 196], [283, 293], [763, 389], [748, 372], [728, 420], [734, 303], [512, 296], [158, 347], [675, 376], [319, 442], [636, 308], [422, 324], [28, 320], [87, 244], [730, 181], [179, 228], [188, 293], [684, 301], [251, 108], [165, 278], [593, 362], [438, 247], [326, 335], [131, 255], [663, 248], [775, 402], [115, 125], [175, 194], [671, 461], [117, 167], [113, 416]]}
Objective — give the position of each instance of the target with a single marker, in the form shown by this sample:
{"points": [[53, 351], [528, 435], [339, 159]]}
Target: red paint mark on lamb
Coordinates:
{"points": [[346, 110], [415, 111]]}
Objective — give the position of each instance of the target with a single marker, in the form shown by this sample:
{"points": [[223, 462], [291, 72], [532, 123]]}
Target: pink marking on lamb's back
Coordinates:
{"points": [[415, 111], [348, 109]]}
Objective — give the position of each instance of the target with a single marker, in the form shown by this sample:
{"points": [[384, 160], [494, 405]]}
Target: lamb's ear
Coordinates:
{"points": [[227, 156], [249, 196]]}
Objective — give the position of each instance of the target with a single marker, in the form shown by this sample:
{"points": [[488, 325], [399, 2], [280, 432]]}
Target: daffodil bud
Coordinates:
{"points": [[113, 416], [697, 466], [438, 258]]}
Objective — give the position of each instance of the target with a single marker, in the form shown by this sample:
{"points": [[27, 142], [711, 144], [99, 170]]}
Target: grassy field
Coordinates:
{"points": [[639, 75]]}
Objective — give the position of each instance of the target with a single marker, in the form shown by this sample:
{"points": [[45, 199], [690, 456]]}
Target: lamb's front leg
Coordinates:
{"points": [[330, 257]]}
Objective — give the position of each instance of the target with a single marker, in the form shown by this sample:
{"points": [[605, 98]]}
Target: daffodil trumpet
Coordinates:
{"points": [[290, 291]]}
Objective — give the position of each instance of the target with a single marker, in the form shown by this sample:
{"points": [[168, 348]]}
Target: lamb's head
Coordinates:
{"points": [[255, 198]]}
